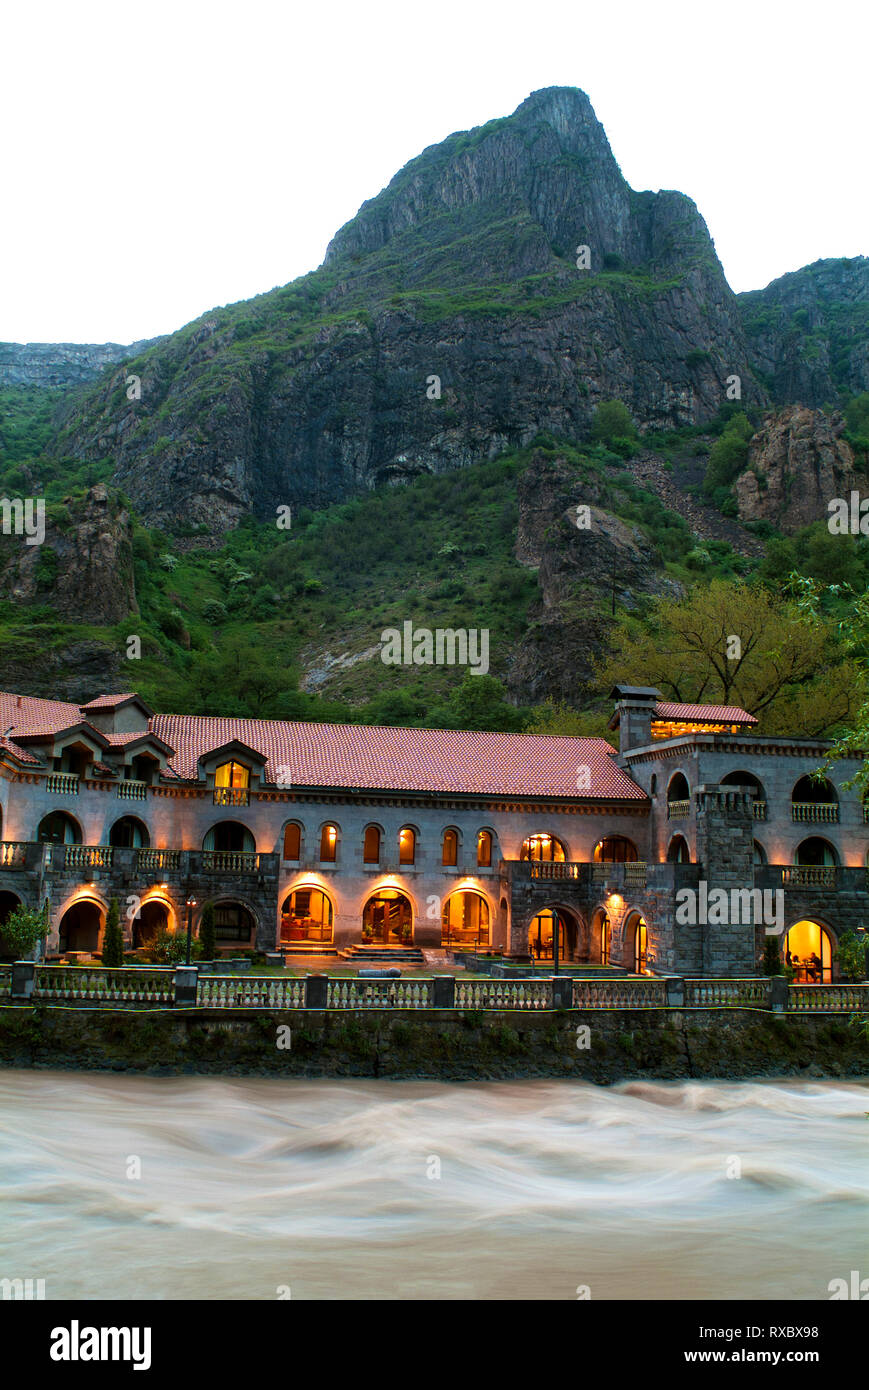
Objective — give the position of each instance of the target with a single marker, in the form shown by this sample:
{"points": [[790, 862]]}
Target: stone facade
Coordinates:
{"points": [[729, 796]]}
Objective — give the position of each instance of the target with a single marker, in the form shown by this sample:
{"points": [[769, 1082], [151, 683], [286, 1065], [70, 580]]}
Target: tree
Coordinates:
{"points": [[729, 453], [207, 942], [851, 957], [734, 643], [553, 717], [113, 940], [479, 703], [22, 930], [612, 420], [772, 962]]}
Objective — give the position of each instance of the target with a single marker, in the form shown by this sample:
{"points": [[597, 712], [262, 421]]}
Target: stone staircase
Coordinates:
{"points": [[395, 955]]}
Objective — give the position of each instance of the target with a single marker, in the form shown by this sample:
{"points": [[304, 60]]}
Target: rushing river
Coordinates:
{"points": [[407, 1190]]}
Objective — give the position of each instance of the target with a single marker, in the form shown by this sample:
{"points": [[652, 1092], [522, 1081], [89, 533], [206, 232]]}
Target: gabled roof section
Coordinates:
{"points": [[113, 702], [352, 756], [234, 747], [702, 714]]}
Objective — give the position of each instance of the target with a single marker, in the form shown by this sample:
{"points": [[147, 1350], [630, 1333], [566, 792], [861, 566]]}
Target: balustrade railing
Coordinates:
{"points": [[250, 992], [828, 998], [158, 860], [759, 809], [229, 861], [635, 873], [124, 985], [554, 870], [678, 810], [13, 854], [715, 994], [379, 994], [133, 791], [62, 783], [231, 796], [620, 994], [88, 856], [503, 994], [814, 811], [809, 876]]}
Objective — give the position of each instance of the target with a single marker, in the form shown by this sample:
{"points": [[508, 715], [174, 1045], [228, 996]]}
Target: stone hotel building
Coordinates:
{"points": [[313, 838]]}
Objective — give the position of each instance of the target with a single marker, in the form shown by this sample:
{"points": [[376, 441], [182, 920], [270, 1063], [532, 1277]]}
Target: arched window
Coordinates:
{"points": [[759, 854], [371, 845], [484, 850], [465, 920], [678, 852], [816, 852], [328, 843], [306, 915], [641, 946], [543, 847], [233, 922], [653, 786], [541, 935], [229, 837], [450, 853], [129, 832], [748, 779], [808, 951], [406, 845], [292, 840], [58, 828], [678, 797], [232, 774], [814, 800], [231, 784], [615, 849], [606, 937]]}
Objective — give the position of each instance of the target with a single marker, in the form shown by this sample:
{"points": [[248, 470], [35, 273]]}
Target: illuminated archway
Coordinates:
{"points": [[541, 934], [808, 949], [151, 921], [81, 926], [306, 915], [465, 920], [387, 919], [637, 940], [615, 849], [543, 847], [678, 851]]}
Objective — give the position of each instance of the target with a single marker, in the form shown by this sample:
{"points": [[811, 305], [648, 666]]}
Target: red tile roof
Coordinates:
{"points": [[435, 760], [702, 714], [109, 701], [352, 755]]}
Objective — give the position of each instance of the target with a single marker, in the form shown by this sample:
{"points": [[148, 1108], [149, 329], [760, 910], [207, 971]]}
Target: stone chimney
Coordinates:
{"points": [[635, 706]]}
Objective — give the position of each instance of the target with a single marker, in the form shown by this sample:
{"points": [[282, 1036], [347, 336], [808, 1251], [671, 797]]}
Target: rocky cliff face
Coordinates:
{"points": [[83, 569], [580, 569], [797, 464], [808, 332], [61, 364], [448, 322]]}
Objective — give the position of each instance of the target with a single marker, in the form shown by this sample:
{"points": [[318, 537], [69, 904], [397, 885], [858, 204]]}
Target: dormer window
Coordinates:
{"points": [[328, 843], [231, 784]]}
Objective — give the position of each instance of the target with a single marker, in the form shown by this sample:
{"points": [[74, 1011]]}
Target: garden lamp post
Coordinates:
{"points": [[191, 903]]}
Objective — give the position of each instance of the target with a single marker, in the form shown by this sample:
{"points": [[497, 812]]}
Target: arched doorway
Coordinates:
{"points": [[129, 833], [541, 935], [153, 919], [81, 926], [615, 849], [388, 919], [808, 949], [57, 828], [465, 920], [306, 915], [758, 794], [600, 938], [234, 926], [637, 938], [678, 851], [8, 904]]}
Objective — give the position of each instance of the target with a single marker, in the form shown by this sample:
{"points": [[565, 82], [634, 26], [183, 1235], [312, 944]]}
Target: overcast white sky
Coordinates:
{"points": [[162, 158]]}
